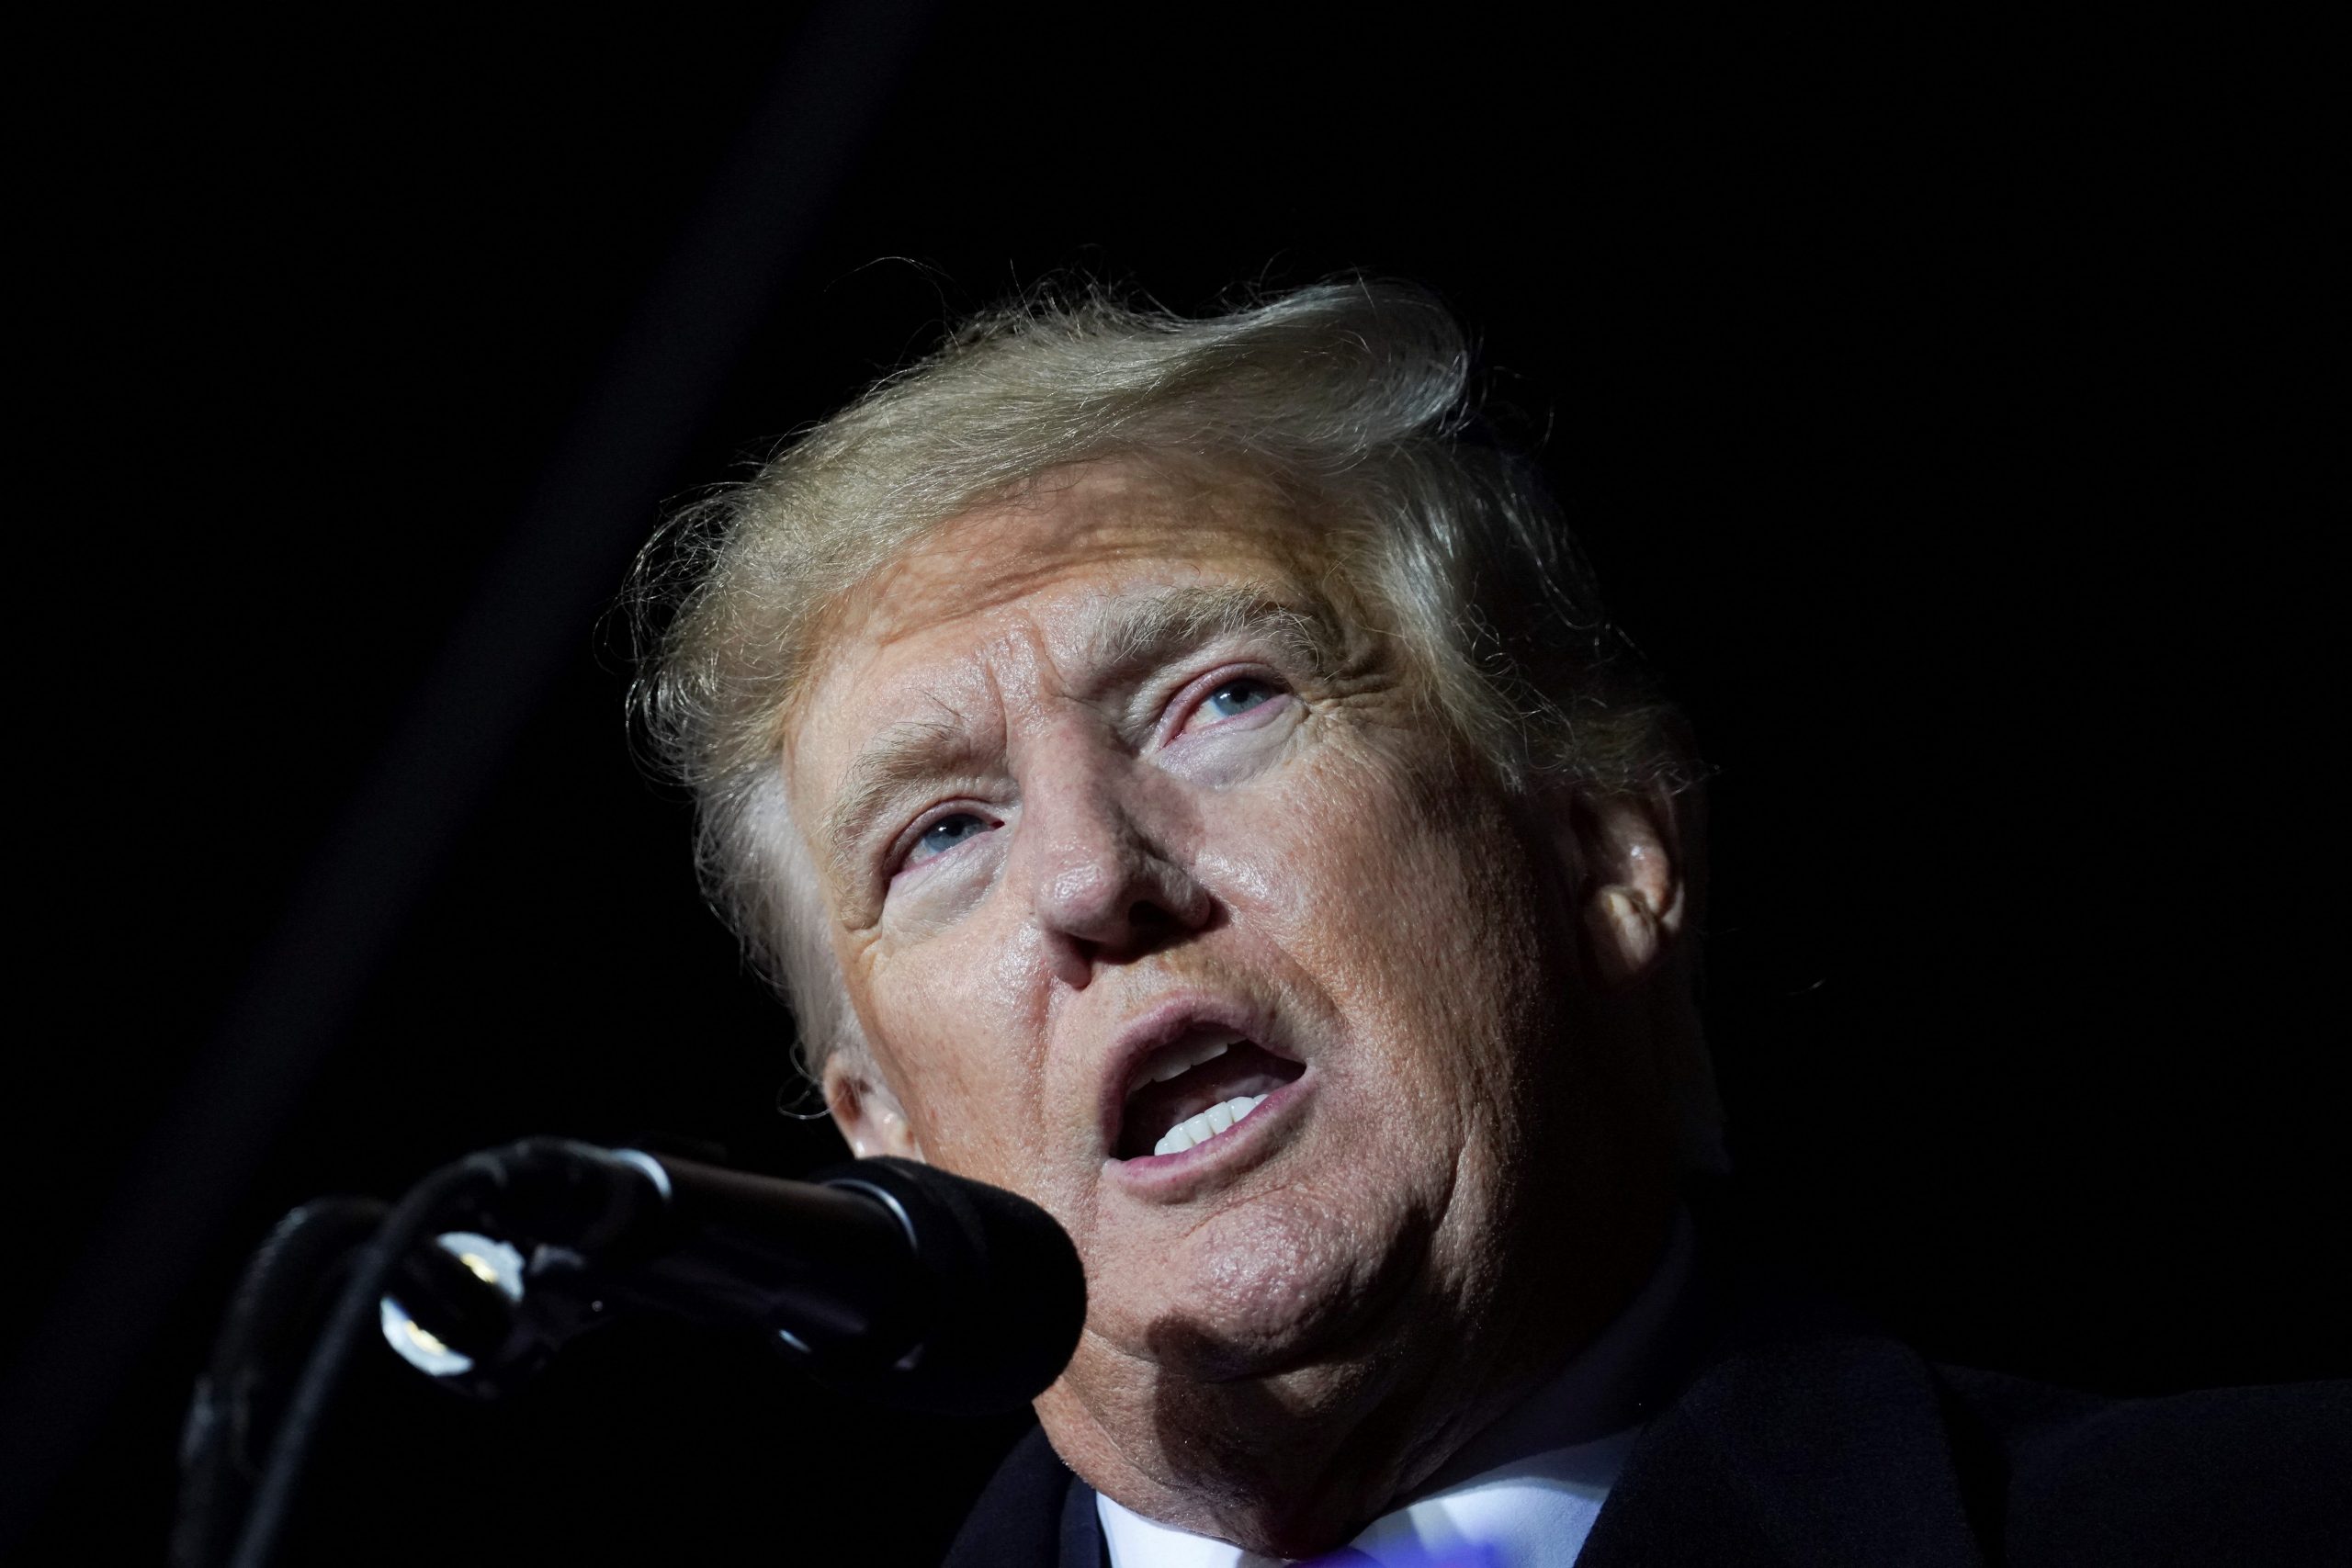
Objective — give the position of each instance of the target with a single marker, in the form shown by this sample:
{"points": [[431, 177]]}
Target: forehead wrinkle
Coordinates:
{"points": [[1093, 513], [961, 569]]}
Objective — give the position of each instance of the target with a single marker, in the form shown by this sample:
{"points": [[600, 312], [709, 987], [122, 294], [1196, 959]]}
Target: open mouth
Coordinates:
{"points": [[1195, 1088]]}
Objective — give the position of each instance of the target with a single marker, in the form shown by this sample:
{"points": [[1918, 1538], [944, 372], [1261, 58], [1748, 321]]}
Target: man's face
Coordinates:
{"points": [[1123, 818]]}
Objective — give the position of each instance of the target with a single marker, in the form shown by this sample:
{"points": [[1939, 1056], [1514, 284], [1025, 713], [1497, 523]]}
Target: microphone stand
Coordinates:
{"points": [[284, 1292], [372, 1264]]}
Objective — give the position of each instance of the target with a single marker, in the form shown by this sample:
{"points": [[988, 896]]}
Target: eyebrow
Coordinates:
{"points": [[1134, 637], [1140, 634]]}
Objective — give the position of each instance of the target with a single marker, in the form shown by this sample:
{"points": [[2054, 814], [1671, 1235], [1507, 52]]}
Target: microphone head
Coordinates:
{"points": [[1008, 1294]]}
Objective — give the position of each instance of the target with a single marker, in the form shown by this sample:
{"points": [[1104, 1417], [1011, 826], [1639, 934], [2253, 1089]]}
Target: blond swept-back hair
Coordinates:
{"points": [[1353, 397]]}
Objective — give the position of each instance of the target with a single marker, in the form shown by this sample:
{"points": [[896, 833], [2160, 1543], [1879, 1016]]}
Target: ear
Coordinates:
{"points": [[1628, 882], [868, 1113]]}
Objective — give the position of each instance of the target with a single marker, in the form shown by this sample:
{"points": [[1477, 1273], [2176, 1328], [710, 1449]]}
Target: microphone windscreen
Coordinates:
{"points": [[1009, 1294]]}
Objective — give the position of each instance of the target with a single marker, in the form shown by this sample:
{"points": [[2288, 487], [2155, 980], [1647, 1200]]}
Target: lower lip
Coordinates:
{"points": [[1164, 1177]]}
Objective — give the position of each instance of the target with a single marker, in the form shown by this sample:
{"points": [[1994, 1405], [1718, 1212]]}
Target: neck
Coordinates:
{"points": [[1296, 1463]]}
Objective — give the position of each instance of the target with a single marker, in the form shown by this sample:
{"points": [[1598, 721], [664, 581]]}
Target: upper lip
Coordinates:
{"points": [[1163, 1023]]}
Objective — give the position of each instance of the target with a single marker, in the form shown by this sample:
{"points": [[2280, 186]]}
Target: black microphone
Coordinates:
{"points": [[884, 1278]]}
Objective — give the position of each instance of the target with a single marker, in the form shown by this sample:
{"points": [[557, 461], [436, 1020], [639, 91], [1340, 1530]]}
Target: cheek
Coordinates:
{"points": [[1416, 907], [1397, 866], [960, 1057]]}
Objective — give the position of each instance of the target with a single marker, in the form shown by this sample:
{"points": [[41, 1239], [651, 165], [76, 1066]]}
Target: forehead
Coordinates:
{"points": [[1079, 531], [1036, 578]]}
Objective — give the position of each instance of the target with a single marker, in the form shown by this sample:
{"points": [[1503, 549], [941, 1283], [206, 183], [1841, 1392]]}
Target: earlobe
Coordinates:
{"points": [[868, 1114], [1625, 935]]}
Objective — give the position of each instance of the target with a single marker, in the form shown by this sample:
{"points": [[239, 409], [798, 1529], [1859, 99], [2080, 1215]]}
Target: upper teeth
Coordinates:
{"points": [[1207, 1124], [1184, 1058]]}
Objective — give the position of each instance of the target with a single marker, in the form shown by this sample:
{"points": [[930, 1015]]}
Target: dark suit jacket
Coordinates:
{"points": [[1815, 1445]]}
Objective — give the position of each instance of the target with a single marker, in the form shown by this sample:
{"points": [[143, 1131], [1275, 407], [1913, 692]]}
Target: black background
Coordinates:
{"points": [[1939, 403]]}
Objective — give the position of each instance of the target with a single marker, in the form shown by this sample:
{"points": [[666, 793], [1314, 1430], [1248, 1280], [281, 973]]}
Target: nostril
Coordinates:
{"points": [[1147, 916]]}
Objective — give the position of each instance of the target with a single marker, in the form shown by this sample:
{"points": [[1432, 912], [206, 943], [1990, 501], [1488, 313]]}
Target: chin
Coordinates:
{"points": [[1277, 1287]]}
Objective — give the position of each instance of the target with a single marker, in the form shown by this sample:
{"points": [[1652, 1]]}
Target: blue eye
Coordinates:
{"points": [[945, 834], [1238, 697]]}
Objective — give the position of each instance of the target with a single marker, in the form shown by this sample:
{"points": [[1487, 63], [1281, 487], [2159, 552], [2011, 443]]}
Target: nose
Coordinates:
{"points": [[1102, 887]]}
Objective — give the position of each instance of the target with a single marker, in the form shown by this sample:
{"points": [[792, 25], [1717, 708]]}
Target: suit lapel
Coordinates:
{"points": [[1082, 1542], [1023, 1517], [1830, 1453]]}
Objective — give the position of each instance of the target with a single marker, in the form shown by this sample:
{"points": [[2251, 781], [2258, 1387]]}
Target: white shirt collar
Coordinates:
{"points": [[1523, 1494]]}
